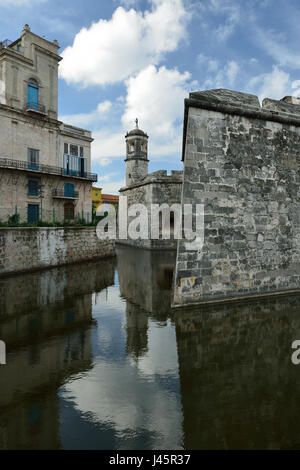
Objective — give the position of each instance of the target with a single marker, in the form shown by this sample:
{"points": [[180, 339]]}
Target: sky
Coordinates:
{"points": [[124, 59]]}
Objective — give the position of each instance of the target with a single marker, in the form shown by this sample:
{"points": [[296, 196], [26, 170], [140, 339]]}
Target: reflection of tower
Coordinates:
{"points": [[137, 330], [136, 155]]}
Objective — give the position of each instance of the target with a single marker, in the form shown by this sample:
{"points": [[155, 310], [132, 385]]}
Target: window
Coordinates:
{"points": [[33, 187], [81, 151], [32, 94], [69, 211], [74, 150], [69, 189], [66, 148], [33, 159], [32, 213], [19, 47]]}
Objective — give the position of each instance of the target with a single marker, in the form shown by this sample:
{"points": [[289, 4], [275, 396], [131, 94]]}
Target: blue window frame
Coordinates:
{"points": [[33, 188], [33, 213], [33, 159], [69, 190], [32, 94]]}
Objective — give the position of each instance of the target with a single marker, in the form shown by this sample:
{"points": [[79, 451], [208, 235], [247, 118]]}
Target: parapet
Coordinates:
{"points": [[235, 102], [221, 95], [285, 111], [161, 176], [288, 105]]}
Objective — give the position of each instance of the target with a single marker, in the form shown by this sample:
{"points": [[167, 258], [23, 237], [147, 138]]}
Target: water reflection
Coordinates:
{"points": [[45, 320], [131, 398], [98, 360], [239, 388]]}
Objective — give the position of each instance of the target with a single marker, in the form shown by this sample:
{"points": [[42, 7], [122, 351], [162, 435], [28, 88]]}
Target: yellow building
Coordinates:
{"points": [[96, 198]]}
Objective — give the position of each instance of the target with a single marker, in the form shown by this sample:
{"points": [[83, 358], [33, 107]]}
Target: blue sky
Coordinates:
{"points": [[140, 58]]}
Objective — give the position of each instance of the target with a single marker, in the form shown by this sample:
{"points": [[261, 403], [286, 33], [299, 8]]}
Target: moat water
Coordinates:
{"points": [[96, 359]]}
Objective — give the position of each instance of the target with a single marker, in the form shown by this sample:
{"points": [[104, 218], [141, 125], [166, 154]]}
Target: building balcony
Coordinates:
{"points": [[38, 168], [36, 107], [62, 194]]}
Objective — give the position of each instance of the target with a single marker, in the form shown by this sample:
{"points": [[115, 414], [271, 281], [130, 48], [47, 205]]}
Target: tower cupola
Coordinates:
{"points": [[136, 155]]}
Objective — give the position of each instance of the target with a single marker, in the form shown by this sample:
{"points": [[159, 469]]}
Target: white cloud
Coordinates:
{"points": [[129, 3], [85, 119], [156, 97], [211, 65], [107, 178], [224, 77], [110, 51], [104, 106], [232, 71], [107, 145], [275, 84], [230, 13], [272, 43], [112, 187]]}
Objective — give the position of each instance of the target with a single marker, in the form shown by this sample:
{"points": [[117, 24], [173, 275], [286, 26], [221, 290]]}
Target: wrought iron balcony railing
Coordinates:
{"points": [[32, 106], [41, 168], [61, 193]]}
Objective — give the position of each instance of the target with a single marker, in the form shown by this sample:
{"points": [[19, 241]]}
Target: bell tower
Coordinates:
{"points": [[136, 155]]}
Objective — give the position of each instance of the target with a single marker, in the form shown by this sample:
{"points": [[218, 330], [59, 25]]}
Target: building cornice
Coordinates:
{"points": [[49, 53], [5, 51], [74, 135], [25, 115]]}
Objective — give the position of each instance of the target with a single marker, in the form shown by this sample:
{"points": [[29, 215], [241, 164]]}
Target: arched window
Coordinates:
{"points": [[32, 94]]}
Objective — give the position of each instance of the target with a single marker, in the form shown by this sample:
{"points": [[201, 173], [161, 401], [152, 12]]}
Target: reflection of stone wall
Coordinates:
{"points": [[25, 249], [36, 291], [46, 323], [145, 277], [242, 163], [239, 388], [31, 424]]}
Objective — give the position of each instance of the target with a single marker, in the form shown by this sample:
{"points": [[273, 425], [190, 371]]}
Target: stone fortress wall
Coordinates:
{"points": [[242, 161], [28, 249]]}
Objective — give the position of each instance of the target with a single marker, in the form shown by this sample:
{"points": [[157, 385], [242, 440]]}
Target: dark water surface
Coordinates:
{"points": [[96, 359]]}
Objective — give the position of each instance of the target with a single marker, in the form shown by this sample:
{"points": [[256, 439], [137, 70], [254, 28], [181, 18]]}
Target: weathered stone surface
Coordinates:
{"points": [[251, 198], [25, 249]]}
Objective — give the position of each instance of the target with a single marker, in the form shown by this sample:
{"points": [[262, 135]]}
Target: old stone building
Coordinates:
{"points": [[44, 163], [148, 189], [242, 162]]}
